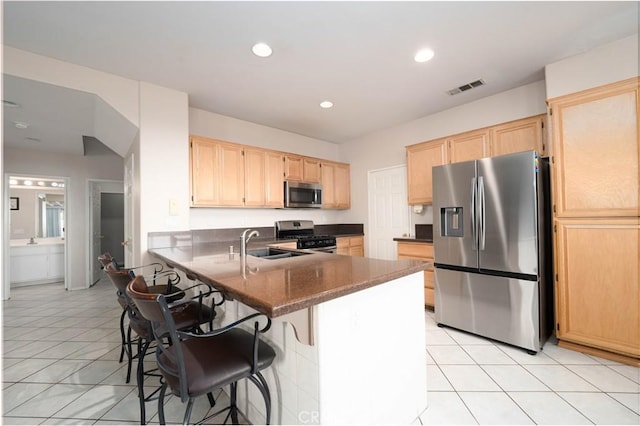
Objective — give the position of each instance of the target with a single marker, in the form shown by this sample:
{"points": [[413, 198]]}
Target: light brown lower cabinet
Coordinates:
{"points": [[421, 251], [350, 246], [597, 295]]}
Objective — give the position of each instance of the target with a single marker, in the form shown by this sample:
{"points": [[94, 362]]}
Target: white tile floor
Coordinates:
{"points": [[60, 366]]}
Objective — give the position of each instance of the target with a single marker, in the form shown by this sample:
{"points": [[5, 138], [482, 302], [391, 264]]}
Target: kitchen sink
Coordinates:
{"points": [[273, 253]]}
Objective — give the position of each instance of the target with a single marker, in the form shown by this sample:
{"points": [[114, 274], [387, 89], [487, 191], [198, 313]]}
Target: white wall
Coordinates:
{"points": [[78, 169], [386, 148], [607, 64], [204, 123], [163, 161]]}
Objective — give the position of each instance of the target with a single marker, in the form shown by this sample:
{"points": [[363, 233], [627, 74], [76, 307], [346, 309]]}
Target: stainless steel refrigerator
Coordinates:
{"points": [[492, 244]]}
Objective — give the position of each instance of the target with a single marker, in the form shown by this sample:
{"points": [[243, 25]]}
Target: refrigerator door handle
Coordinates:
{"points": [[481, 213], [474, 230]]}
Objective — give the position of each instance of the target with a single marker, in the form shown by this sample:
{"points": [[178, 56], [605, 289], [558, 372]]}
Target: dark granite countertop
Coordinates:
{"points": [[278, 287]]}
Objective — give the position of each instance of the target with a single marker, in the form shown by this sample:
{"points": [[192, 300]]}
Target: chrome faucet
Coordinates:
{"points": [[244, 240]]}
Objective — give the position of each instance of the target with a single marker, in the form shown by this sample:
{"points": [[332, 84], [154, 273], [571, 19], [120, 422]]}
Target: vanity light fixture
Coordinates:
{"points": [[326, 104], [424, 55], [262, 50]]}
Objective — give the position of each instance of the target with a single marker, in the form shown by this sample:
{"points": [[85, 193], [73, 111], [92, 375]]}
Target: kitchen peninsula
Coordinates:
{"points": [[357, 339]]}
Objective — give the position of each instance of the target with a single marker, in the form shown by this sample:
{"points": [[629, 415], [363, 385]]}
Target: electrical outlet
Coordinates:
{"points": [[173, 207]]}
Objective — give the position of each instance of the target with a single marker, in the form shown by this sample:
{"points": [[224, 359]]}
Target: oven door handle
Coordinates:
{"points": [[331, 249]]}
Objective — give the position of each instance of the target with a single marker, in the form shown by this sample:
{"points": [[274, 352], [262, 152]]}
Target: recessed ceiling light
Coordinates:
{"points": [[41, 183], [20, 125], [10, 104], [326, 104], [424, 55], [54, 183], [262, 50], [13, 182], [27, 182]]}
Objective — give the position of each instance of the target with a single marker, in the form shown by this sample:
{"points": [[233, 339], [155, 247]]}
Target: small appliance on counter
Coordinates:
{"points": [[303, 232], [492, 244]]}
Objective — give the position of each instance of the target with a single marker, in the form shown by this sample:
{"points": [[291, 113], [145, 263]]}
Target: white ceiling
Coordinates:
{"points": [[359, 55]]}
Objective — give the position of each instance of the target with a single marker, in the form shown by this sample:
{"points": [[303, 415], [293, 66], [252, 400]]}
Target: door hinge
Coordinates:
{"points": [[243, 152], [556, 277], [243, 200], [554, 208], [192, 198], [550, 111], [542, 124], [555, 228], [543, 147], [558, 326]]}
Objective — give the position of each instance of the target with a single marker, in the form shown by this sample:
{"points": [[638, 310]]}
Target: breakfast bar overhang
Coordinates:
{"points": [[349, 332]]}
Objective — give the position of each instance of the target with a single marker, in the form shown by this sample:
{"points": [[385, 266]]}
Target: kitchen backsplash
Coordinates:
{"points": [[424, 232]]}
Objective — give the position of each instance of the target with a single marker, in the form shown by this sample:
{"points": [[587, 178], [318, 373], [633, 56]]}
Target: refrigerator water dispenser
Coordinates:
{"points": [[451, 220]]}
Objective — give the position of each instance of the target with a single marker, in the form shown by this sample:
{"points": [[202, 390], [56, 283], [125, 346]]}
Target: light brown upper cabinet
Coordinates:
{"points": [[311, 170], [225, 174], [336, 185], [213, 162], [274, 183], [518, 136], [420, 159], [299, 168], [231, 164], [468, 146], [515, 136], [292, 167], [595, 151], [263, 178], [204, 169], [343, 186], [230, 175]]}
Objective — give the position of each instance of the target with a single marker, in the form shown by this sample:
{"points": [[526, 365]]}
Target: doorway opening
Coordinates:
{"points": [[36, 228], [106, 224]]}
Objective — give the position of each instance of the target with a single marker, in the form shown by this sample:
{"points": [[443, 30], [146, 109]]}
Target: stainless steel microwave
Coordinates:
{"points": [[302, 195]]}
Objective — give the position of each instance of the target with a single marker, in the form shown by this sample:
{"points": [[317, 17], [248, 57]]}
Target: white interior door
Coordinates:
{"points": [[388, 211], [128, 211]]}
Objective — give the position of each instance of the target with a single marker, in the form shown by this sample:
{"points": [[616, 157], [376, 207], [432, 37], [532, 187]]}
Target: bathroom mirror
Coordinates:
{"points": [[41, 212], [50, 213]]}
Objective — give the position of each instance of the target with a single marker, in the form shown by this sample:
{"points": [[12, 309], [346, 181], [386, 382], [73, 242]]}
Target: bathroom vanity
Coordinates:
{"points": [[38, 263]]}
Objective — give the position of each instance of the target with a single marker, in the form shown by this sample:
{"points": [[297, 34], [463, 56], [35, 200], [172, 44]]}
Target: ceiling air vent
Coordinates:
{"points": [[466, 87]]}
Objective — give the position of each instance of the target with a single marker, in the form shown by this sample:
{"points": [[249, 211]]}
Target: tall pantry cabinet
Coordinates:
{"points": [[595, 158]]}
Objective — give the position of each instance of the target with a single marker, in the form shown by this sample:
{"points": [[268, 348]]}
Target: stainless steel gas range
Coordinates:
{"points": [[303, 232]]}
